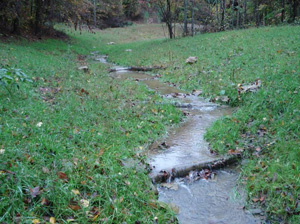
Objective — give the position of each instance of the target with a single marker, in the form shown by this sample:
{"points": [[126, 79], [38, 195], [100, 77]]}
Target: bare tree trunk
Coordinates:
{"points": [[169, 19], [255, 12], [16, 21], [223, 7], [217, 11], [232, 8], [95, 15], [38, 16], [238, 17], [193, 15], [164, 7], [295, 7], [170, 29], [283, 10], [245, 13], [185, 29]]}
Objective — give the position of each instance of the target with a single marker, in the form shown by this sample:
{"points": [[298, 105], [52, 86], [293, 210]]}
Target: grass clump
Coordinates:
{"points": [[266, 125], [65, 136]]}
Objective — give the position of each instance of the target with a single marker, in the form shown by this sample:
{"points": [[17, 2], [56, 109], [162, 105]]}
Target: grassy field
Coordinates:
{"points": [[266, 126], [91, 123], [64, 139]]}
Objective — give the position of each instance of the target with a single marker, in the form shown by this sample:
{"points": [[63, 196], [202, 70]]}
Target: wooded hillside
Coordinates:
{"points": [[35, 16]]}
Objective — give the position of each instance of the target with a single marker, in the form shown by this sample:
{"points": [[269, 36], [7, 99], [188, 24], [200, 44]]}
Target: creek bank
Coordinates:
{"points": [[207, 200]]}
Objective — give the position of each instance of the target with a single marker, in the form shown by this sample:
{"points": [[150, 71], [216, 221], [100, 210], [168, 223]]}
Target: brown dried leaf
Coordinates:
{"points": [[101, 152], [44, 201], [75, 207], [34, 191], [153, 205], [263, 198], [62, 176]]}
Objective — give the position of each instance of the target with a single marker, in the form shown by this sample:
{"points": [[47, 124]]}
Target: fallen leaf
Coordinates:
{"points": [[45, 170], [39, 124], [62, 176], [96, 216], [36, 221], [75, 207], [255, 200], [84, 203], [44, 201], [101, 152], [154, 111], [75, 191], [234, 152], [263, 198], [52, 220], [75, 160], [153, 205], [34, 191], [2, 151], [127, 182]]}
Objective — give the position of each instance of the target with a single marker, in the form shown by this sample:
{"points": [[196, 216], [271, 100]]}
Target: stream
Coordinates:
{"points": [[199, 187]]}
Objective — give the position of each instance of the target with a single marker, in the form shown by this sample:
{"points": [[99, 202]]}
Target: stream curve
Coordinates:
{"points": [[214, 200]]}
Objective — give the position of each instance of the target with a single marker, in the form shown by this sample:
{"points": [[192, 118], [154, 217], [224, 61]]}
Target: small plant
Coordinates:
{"points": [[12, 77]]}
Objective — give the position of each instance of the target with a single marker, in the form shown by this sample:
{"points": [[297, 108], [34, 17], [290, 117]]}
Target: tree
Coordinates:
{"points": [[35, 16], [166, 10], [185, 30], [223, 7]]}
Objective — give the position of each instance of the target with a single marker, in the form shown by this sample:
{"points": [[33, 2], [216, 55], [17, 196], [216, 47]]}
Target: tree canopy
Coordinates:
{"points": [[35, 16]]}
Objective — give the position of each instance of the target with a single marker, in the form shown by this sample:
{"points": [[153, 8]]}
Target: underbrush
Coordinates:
{"points": [[65, 139]]}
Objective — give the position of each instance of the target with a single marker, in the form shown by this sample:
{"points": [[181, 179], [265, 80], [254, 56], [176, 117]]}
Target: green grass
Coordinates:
{"points": [[90, 124], [266, 125]]}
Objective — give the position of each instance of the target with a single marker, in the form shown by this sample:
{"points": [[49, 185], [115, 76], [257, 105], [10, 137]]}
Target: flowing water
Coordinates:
{"points": [[212, 201], [215, 201]]}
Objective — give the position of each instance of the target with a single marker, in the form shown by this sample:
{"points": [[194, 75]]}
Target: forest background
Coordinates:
{"points": [[38, 16]]}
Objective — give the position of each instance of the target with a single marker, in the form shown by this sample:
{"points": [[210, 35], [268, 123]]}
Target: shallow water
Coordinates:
{"points": [[215, 201]]}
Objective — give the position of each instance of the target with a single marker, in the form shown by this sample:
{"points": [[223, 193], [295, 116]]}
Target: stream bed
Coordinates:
{"points": [[197, 199]]}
